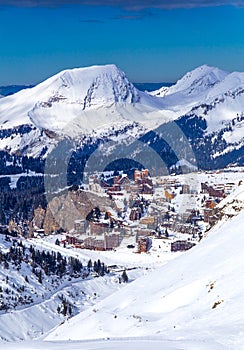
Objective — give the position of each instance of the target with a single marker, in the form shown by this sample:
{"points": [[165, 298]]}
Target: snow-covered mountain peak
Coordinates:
{"points": [[94, 85], [75, 102], [66, 95], [90, 87], [199, 80], [195, 82]]}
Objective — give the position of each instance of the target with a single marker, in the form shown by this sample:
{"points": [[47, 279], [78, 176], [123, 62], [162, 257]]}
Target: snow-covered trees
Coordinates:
{"points": [[40, 269]]}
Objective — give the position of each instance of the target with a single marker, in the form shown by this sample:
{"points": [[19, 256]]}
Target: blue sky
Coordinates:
{"points": [[155, 41]]}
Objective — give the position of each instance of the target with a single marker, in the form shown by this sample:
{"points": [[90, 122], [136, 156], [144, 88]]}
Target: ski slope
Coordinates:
{"points": [[197, 296]]}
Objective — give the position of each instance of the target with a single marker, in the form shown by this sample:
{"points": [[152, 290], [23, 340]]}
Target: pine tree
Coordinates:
{"points": [[26, 279], [95, 267], [124, 277], [166, 233], [89, 265], [70, 310], [40, 277]]}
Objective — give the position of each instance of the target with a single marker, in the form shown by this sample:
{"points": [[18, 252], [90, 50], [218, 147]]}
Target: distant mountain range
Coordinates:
{"points": [[97, 105]]}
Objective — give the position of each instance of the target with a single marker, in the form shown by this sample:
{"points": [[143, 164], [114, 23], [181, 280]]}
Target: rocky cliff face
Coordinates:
{"points": [[63, 210]]}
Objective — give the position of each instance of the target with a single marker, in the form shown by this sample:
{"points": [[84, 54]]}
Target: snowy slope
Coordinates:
{"points": [[118, 344], [224, 101], [198, 296], [28, 307]]}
